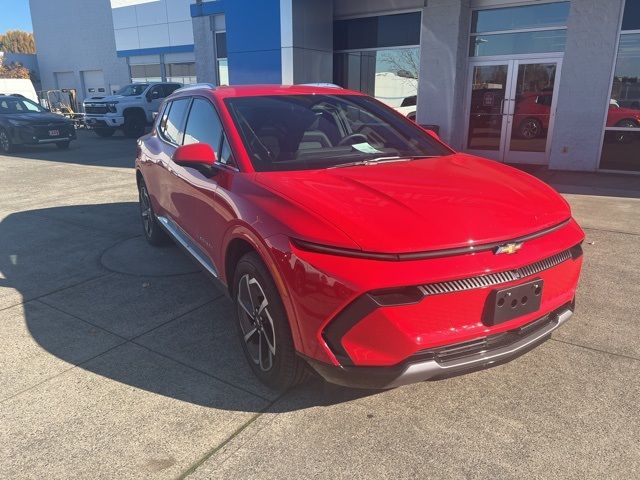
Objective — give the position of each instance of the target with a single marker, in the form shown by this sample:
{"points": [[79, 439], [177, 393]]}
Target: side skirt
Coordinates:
{"points": [[189, 246]]}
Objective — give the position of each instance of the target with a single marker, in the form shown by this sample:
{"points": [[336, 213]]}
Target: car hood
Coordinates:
{"points": [[112, 98], [36, 118], [427, 204]]}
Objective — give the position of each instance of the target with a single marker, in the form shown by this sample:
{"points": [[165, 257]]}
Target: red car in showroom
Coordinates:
{"points": [[352, 240], [533, 110]]}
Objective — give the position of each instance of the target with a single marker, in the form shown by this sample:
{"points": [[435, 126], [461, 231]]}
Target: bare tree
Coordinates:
{"points": [[404, 62]]}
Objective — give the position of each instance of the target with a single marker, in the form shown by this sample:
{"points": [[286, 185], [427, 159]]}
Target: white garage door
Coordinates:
{"points": [[66, 80], [94, 85]]}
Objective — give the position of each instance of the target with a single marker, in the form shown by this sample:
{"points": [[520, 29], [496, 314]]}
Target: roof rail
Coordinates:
{"points": [[320, 84], [195, 86]]}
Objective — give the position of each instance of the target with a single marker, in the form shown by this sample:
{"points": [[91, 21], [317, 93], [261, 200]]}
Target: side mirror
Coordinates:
{"points": [[197, 155]]}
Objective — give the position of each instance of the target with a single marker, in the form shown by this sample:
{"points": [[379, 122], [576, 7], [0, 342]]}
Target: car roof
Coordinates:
{"points": [[261, 90]]}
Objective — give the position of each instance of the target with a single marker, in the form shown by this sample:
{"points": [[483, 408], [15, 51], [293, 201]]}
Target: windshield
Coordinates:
{"points": [[297, 132], [18, 105], [132, 90]]}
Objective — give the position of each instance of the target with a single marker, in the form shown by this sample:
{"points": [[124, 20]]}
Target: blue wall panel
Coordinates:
{"points": [[253, 38]]}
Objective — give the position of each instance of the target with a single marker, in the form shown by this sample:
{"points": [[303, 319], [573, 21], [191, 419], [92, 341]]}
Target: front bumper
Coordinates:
{"points": [[37, 135], [104, 121], [451, 360]]}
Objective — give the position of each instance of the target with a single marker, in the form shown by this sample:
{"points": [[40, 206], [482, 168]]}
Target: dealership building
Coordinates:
{"points": [[543, 82]]}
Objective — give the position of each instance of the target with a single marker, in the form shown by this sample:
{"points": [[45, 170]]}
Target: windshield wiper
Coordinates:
{"points": [[377, 160]]}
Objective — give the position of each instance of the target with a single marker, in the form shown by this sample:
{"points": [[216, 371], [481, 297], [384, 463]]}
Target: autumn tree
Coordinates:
{"points": [[17, 41], [14, 70]]}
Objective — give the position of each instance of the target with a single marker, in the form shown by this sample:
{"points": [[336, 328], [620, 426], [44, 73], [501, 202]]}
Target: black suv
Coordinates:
{"points": [[23, 122]]}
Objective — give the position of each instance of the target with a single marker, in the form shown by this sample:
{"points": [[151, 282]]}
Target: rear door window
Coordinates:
{"points": [[173, 130]]}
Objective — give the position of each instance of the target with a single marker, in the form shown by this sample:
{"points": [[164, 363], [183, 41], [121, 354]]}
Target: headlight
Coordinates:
{"points": [[111, 107], [18, 123]]}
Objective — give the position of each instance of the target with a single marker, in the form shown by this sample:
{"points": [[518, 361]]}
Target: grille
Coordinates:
{"points": [[495, 278], [95, 110]]}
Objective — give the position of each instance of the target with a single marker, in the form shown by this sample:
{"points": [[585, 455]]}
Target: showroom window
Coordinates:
{"points": [[221, 58], [180, 67], [621, 146], [146, 73], [519, 30], [380, 56]]}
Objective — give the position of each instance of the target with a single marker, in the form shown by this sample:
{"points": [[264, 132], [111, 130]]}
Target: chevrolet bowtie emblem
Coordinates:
{"points": [[508, 248]]}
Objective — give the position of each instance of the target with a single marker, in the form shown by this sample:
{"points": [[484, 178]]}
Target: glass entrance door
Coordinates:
{"points": [[511, 109]]}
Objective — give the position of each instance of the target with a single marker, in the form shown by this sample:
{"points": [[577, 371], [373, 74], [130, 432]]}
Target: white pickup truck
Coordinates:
{"points": [[131, 108]]}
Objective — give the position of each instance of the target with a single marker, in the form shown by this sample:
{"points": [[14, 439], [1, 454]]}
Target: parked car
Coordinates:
{"points": [[408, 107], [532, 112], [23, 122], [352, 240], [131, 108]]}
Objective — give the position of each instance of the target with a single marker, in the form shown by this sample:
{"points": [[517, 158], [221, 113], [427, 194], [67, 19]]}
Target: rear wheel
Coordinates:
{"points": [[530, 128], [134, 124], [6, 146], [104, 132], [263, 326], [153, 232], [63, 145]]}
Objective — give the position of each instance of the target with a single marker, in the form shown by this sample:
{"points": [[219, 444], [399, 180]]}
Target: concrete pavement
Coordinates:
{"points": [[118, 360]]}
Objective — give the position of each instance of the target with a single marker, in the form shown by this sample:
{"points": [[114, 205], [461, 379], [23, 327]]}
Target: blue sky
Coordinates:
{"points": [[14, 15]]}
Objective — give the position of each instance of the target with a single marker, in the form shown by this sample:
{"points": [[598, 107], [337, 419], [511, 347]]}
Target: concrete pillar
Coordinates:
{"points": [[307, 41], [203, 50], [443, 63], [585, 84]]}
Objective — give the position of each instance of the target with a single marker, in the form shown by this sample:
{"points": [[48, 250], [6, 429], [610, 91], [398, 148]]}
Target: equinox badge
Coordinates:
{"points": [[508, 248]]}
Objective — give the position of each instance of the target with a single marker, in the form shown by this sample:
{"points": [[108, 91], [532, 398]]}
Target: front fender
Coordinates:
{"points": [[271, 250]]}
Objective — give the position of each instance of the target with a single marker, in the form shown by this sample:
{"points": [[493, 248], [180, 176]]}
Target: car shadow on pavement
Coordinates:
{"points": [[92, 294], [87, 149]]}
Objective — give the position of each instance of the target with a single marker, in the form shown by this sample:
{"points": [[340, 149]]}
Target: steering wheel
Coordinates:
{"points": [[351, 139]]}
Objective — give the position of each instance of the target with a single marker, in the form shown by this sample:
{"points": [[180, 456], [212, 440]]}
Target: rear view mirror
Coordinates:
{"points": [[196, 155]]}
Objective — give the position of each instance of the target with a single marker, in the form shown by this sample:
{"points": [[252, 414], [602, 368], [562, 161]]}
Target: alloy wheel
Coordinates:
{"points": [[530, 129], [256, 322], [145, 211]]}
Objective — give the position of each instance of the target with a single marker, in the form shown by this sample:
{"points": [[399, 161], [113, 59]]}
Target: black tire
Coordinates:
{"points": [[280, 367], [530, 128], [134, 124], [152, 230], [6, 146], [63, 145], [104, 132]]}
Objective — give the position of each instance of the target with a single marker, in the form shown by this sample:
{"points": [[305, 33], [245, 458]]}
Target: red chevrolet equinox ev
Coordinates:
{"points": [[352, 240]]}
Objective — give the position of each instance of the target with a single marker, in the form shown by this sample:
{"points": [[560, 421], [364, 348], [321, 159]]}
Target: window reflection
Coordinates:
{"points": [[621, 147], [524, 42], [390, 75], [517, 18]]}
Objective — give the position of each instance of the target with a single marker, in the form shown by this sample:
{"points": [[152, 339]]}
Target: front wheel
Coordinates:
{"points": [[6, 146], [263, 326], [134, 125]]}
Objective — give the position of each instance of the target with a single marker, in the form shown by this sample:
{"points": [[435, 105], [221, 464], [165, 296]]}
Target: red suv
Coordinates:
{"points": [[352, 240], [533, 110]]}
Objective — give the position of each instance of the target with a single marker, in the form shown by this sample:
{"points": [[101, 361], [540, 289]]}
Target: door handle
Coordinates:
{"points": [[502, 102]]}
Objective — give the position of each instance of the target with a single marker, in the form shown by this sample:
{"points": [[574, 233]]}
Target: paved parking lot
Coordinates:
{"points": [[118, 360]]}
